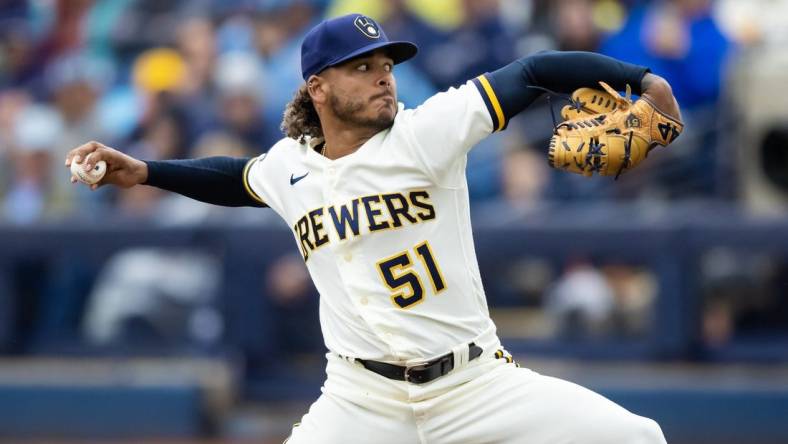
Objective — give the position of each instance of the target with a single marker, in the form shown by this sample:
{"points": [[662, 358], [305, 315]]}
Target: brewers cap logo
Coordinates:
{"points": [[367, 26]]}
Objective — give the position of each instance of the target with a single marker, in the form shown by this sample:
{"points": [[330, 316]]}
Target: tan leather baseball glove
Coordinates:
{"points": [[608, 134]]}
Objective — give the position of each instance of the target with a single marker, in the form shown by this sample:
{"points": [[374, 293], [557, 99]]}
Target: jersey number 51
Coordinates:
{"points": [[399, 276]]}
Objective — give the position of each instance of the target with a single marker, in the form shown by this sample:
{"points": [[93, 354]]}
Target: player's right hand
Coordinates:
{"points": [[122, 170]]}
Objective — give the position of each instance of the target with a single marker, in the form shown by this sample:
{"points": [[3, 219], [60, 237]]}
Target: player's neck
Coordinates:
{"points": [[340, 143]]}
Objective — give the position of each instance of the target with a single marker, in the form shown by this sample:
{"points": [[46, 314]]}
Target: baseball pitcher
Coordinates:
{"points": [[377, 201]]}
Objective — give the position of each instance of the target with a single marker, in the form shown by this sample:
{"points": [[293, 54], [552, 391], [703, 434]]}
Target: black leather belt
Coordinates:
{"points": [[422, 373]]}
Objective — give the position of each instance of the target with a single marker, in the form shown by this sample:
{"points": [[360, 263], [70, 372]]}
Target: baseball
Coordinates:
{"points": [[89, 177]]}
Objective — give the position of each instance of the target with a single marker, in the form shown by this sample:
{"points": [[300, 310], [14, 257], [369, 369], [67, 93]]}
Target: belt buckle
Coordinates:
{"points": [[408, 369]]}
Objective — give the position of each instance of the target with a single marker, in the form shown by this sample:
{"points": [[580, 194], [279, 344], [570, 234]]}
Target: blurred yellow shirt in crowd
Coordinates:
{"points": [[444, 14]]}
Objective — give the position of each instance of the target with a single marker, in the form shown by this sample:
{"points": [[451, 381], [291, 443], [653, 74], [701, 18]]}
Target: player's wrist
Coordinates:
{"points": [[658, 91], [653, 81], [140, 171]]}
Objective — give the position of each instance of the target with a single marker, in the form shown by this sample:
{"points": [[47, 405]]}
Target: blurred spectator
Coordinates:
{"points": [[12, 102], [146, 24], [195, 95], [679, 40], [401, 23], [75, 82], [155, 73], [581, 302], [99, 28], [574, 25], [612, 300], [219, 143], [481, 43], [524, 176], [443, 14], [518, 281], [160, 75], [749, 25], [195, 41], [240, 84], [717, 321], [635, 291], [162, 134], [278, 34], [65, 33], [236, 33], [29, 195], [19, 65], [13, 10]]}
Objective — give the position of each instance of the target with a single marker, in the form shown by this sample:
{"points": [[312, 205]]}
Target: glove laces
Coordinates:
{"points": [[578, 105]]}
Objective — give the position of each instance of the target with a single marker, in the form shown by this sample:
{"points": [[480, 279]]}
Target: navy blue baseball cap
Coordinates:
{"points": [[340, 39]]}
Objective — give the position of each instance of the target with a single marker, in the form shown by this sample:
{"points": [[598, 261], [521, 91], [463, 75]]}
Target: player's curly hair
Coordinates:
{"points": [[300, 118]]}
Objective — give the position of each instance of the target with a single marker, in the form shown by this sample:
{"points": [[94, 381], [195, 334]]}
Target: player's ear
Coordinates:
{"points": [[316, 86]]}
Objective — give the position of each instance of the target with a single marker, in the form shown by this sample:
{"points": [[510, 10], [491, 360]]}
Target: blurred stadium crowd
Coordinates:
{"points": [[176, 79], [164, 79]]}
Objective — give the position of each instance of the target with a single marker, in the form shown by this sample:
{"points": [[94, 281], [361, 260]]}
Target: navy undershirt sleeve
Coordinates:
{"points": [[562, 72], [214, 180]]}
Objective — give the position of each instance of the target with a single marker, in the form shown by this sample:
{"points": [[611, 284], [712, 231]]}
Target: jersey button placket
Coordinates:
{"points": [[331, 175], [331, 181]]}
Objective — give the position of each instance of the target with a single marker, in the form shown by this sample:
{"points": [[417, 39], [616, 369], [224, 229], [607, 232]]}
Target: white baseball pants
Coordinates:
{"points": [[486, 401]]}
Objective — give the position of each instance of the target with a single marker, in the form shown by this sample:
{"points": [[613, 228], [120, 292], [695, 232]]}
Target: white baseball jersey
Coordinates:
{"points": [[386, 231]]}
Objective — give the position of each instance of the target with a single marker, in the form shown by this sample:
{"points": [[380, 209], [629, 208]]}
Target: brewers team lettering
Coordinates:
{"points": [[375, 212]]}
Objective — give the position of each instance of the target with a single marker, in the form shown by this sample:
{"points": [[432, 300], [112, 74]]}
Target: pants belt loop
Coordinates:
{"points": [[461, 355]]}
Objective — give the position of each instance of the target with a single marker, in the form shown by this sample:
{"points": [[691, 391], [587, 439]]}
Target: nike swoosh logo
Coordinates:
{"points": [[293, 180]]}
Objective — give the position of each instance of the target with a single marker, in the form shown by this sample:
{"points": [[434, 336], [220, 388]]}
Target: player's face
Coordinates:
{"points": [[363, 91]]}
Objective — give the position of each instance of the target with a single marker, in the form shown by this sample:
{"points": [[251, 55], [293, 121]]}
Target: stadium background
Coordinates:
{"points": [[140, 315]]}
